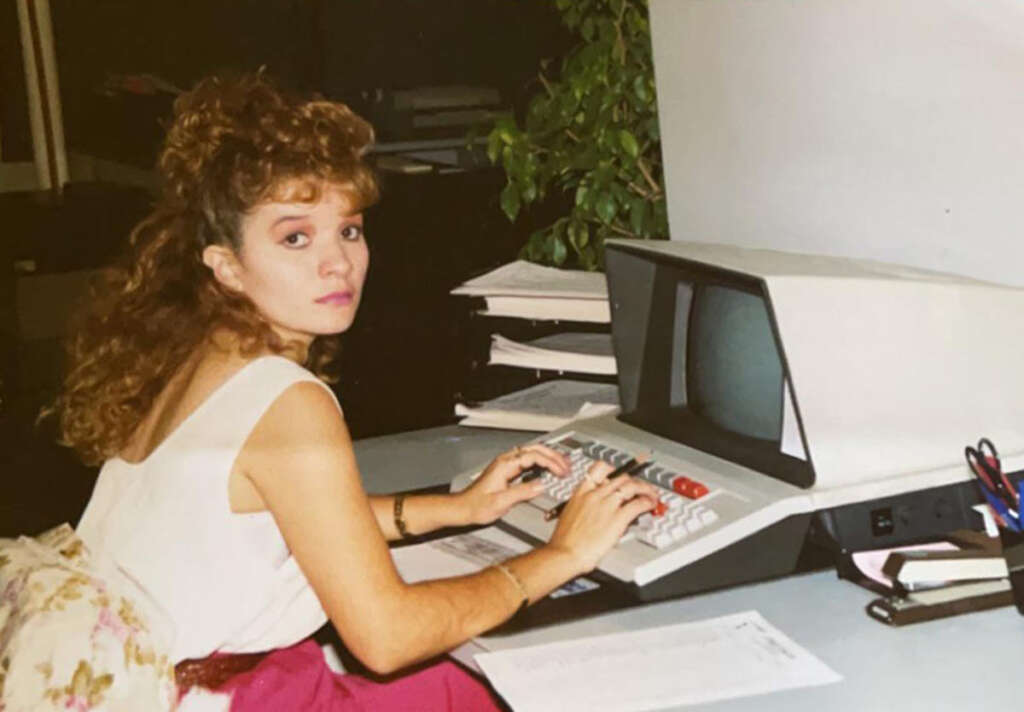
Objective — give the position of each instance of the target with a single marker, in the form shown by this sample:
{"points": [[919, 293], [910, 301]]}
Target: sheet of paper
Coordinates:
{"points": [[991, 528], [596, 311], [529, 279], [574, 342], [467, 553], [527, 422], [560, 397], [569, 351], [456, 555], [544, 406], [532, 422], [688, 663], [870, 562]]}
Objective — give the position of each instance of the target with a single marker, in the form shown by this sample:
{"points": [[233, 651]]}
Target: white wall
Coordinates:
{"points": [[887, 129]]}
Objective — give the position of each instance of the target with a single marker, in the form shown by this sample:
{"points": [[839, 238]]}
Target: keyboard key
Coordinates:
{"points": [[698, 489], [644, 522], [618, 458], [571, 444], [673, 501], [689, 488], [639, 469], [662, 539]]}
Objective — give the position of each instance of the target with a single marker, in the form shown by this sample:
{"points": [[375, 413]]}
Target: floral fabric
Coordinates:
{"points": [[71, 639]]}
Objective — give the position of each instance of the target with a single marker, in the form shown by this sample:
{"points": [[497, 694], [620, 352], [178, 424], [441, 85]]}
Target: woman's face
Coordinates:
{"points": [[302, 264]]}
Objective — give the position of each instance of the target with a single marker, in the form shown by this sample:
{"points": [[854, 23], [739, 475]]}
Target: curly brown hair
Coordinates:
{"points": [[233, 144]]}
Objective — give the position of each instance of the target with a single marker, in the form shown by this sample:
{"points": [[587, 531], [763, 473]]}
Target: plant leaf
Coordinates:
{"points": [[636, 215], [510, 201], [578, 234], [493, 146], [581, 194], [629, 143], [558, 251], [605, 207]]}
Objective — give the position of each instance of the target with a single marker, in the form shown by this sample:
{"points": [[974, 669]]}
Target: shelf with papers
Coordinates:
{"points": [[527, 291], [577, 352], [544, 360]]}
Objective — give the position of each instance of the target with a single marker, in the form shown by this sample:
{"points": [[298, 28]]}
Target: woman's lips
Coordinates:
{"points": [[336, 299]]}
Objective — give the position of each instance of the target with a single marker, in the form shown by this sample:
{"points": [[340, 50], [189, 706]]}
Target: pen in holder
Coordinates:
{"points": [[1002, 491]]}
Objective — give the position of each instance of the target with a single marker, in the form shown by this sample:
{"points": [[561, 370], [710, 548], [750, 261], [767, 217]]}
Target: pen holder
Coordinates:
{"points": [[1013, 552]]}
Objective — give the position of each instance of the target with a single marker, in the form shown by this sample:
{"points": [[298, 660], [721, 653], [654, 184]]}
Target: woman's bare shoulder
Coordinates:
{"points": [[302, 428]]}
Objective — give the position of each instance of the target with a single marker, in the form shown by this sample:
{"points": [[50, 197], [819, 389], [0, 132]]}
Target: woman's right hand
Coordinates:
{"points": [[598, 513]]}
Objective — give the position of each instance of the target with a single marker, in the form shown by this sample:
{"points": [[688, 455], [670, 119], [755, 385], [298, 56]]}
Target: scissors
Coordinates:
{"points": [[985, 464]]}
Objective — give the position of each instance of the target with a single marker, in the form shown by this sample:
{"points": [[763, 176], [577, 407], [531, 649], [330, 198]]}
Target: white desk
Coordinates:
{"points": [[958, 663], [421, 458]]}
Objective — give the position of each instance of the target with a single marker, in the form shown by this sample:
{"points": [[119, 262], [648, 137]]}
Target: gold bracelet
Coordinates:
{"points": [[518, 583], [403, 531]]}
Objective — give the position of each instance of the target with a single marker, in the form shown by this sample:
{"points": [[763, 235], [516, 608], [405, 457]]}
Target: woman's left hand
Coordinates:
{"points": [[493, 492]]}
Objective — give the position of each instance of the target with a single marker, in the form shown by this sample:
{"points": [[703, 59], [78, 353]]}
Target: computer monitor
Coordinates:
{"points": [[850, 378], [711, 371]]}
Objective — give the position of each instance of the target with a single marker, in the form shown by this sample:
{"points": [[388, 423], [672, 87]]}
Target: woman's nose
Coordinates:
{"points": [[335, 261]]}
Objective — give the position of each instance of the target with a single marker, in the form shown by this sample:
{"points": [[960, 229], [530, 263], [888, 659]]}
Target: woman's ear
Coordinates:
{"points": [[224, 265]]}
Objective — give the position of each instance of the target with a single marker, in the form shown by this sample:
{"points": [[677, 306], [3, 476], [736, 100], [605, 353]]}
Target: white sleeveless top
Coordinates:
{"points": [[226, 581]]}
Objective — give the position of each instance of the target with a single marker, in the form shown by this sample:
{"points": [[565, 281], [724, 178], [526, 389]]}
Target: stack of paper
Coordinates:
{"points": [[627, 671], [916, 567], [577, 352], [543, 407], [684, 664], [927, 581], [524, 290]]}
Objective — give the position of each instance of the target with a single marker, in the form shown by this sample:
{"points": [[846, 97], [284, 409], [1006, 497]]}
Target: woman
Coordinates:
{"points": [[229, 491]]}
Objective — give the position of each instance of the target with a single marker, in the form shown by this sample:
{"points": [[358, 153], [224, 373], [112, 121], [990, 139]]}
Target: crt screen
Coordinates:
{"points": [[734, 373]]}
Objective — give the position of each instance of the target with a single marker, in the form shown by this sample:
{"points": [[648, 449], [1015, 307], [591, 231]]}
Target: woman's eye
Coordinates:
{"points": [[296, 239], [352, 232]]}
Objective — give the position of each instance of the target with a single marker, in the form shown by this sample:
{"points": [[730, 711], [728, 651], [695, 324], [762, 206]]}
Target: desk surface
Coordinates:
{"points": [[957, 663], [421, 458]]}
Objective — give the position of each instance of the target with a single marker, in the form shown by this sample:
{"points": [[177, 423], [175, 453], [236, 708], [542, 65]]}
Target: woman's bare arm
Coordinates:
{"points": [[491, 495], [300, 459]]}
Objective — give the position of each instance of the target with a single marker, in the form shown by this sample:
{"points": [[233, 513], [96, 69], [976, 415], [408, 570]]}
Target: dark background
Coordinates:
{"points": [[413, 346]]}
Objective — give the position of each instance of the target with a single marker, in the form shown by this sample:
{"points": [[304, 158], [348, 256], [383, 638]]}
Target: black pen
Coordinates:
{"points": [[630, 467], [530, 474]]}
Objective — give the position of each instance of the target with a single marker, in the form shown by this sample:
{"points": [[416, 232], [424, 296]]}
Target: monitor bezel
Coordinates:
{"points": [[679, 423]]}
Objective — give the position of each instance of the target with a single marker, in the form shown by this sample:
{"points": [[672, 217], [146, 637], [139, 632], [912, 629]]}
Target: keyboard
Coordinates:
{"points": [[686, 505], [706, 503]]}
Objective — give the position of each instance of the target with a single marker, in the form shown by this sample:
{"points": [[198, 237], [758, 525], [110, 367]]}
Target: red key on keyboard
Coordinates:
{"points": [[691, 489], [697, 489]]}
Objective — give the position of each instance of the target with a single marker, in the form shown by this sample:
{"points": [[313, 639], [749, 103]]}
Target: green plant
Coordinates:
{"points": [[591, 134]]}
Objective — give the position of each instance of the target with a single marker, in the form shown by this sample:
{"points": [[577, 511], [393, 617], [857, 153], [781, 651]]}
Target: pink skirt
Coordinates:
{"points": [[298, 678]]}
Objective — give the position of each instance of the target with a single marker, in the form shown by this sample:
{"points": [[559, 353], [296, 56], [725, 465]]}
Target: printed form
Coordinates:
{"points": [[689, 663]]}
